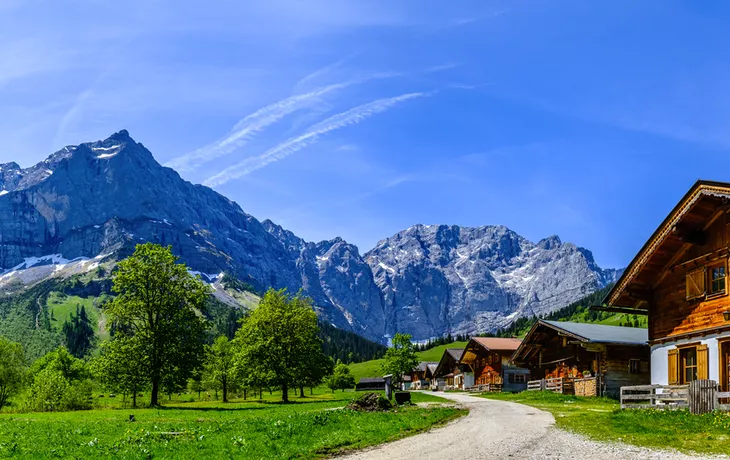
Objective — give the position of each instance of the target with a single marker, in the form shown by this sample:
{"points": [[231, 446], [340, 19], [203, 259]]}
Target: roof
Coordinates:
{"points": [[455, 352], [372, 380], [599, 333], [498, 343], [432, 367], [423, 365], [692, 213], [406, 378]]}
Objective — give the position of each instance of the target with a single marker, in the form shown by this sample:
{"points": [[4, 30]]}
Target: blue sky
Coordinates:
{"points": [[361, 118]]}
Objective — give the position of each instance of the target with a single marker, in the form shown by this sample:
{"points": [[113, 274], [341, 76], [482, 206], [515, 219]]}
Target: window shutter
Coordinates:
{"points": [[702, 362], [673, 366], [695, 284]]}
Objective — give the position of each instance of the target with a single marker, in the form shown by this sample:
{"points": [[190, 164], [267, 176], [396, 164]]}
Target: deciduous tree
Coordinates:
{"points": [[278, 341], [159, 302], [401, 358], [219, 364], [12, 370]]}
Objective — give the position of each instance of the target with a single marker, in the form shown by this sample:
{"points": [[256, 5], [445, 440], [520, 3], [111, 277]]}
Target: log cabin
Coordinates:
{"points": [[487, 365], [585, 359], [448, 374], [679, 279]]}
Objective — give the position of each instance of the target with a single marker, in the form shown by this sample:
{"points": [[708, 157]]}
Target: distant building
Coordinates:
{"points": [[371, 383], [486, 361]]}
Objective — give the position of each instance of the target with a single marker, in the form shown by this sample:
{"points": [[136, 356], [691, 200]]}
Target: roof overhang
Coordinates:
{"points": [[682, 228]]}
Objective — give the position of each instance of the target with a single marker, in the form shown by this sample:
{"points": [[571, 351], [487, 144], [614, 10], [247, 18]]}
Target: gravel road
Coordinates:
{"points": [[503, 430]]}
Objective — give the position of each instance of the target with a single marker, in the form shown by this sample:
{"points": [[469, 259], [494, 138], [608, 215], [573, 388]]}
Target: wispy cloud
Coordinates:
{"points": [[256, 122], [312, 135]]}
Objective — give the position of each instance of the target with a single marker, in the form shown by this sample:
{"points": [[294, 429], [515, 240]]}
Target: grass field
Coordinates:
{"points": [[373, 368], [601, 419], [312, 427]]}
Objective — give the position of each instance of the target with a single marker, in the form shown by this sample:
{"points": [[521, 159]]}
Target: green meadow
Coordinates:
{"points": [[315, 426]]}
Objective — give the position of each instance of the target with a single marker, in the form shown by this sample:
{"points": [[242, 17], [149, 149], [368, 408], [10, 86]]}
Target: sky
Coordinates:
{"points": [[361, 118]]}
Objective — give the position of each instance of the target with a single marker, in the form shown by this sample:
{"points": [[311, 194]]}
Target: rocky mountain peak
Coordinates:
{"points": [[101, 198]]}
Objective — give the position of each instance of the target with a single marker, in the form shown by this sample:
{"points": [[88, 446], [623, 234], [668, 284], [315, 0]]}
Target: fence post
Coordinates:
{"points": [[702, 397], [543, 385]]}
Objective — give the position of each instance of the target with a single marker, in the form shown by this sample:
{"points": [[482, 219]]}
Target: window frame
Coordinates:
{"points": [[682, 366], [709, 288], [634, 366]]}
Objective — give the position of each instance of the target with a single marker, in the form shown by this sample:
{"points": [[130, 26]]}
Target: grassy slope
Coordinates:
{"points": [[601, 419], [373, 368], [240, 429]]}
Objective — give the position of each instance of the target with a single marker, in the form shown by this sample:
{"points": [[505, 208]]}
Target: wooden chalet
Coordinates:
{"points": [[487, 365], [448, 374], [421, 376], [585, 359], [679, 279]]}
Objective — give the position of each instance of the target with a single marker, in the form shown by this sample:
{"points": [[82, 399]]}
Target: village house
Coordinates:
{"points": [[584, 359], [421, 376], [486, 361], [448, 374], [679, 279]]}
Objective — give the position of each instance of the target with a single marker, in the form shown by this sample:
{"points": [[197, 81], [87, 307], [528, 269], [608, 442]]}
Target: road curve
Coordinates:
{"points": [[500, 430]]}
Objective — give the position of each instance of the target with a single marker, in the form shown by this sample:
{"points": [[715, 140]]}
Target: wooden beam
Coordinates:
{"points": [[690, 235], [627, 310]]}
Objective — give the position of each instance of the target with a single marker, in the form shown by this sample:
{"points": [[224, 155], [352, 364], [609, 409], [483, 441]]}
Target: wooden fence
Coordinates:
{"points": [[556, 385], [655, 397], [700, 397], [486, 388]]}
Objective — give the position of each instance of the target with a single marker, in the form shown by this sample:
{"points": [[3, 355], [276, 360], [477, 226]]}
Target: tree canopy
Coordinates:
{"points": [[279, 341], [12, 370], [400, 359], [159, 302]]}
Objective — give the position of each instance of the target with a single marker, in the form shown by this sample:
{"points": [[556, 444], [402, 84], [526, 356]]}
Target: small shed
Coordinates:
{"points": [[585, 359], [371, 384]]}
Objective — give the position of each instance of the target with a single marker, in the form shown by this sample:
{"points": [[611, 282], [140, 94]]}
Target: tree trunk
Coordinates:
{"points": [[301, 391], [284, 393], [311, 390], [245, 394], [261, 393], [134, 399], [225, 392], [155, 392], [199, 390]]}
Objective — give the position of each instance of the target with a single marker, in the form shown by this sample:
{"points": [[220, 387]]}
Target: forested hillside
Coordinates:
{"points": [[70, 312]]}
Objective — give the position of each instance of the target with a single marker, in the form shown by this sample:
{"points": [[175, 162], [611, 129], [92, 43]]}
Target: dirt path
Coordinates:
{"points": [[501, 430]]}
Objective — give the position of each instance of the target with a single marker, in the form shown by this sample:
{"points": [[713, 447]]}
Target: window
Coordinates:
{"points": [[634, 366], [520, 378], [688, 365], [717, 279]]}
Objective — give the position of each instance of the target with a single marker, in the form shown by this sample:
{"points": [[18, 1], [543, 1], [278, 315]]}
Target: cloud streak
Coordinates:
{"points": [[311, 136], [256, 122]]}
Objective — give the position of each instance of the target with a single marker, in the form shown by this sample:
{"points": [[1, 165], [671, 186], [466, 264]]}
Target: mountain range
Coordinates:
{"points": [[92, 203]]}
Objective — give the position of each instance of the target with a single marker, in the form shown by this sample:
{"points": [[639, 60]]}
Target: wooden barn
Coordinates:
{"points": [[679, 279], [448, 373], [487, 365], [584, 359]]}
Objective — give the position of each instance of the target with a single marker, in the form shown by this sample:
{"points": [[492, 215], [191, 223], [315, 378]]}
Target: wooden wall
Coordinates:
{"points": [[671, 314], [616, 368]]}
